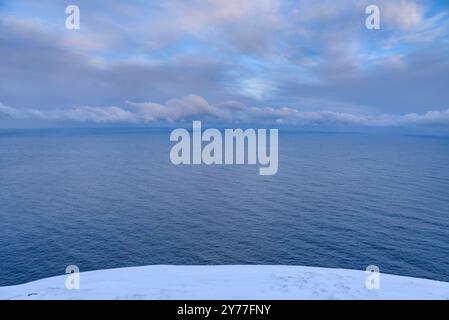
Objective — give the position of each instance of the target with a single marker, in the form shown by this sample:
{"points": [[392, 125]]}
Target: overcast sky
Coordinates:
{"points": [[275, 61]]}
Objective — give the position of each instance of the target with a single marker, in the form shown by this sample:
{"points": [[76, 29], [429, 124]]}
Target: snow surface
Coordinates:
{"points": [[228, 282]]}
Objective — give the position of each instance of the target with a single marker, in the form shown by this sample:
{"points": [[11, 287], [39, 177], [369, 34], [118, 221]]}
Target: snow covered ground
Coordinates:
{"points": [[228, 282]]}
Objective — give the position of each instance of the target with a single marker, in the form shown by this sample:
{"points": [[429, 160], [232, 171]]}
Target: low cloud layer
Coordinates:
{"points": [[194, 107]]}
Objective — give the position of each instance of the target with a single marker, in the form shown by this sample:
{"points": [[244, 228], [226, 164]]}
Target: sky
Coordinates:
{"points": [[278, 62]]}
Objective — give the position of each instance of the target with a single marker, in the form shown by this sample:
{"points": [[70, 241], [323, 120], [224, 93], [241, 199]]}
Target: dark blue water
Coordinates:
{"points": [[104, 199]]}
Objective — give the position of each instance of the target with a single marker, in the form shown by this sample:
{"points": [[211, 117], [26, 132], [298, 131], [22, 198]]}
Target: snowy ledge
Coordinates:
{"points": [[228, 282]]}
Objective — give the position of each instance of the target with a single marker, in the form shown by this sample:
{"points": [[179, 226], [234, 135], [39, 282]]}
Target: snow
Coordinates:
{"points": [[228, 282]]}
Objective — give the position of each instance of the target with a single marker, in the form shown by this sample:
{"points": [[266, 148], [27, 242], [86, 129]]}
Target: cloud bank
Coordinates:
{"points": [[194, 107]]}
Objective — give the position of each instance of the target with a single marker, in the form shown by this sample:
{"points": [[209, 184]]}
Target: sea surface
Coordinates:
{"points": [[108, 198]]}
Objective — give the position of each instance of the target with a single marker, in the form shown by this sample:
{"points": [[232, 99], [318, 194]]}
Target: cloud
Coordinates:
{"points": [[404, 14], [40, 71], [77, 114], [177, 109], [314, 54], [194, 107], [426, 31], [429, 118], [248, 26]]}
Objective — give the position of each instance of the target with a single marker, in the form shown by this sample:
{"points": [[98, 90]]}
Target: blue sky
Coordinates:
{"points": [[270, 61]]}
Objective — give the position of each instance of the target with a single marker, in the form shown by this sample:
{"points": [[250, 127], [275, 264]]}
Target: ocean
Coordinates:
{"points": [[106, 198]]}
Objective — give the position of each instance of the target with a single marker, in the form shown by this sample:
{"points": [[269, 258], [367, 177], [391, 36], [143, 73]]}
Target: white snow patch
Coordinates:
{"points": [[228, 282]]}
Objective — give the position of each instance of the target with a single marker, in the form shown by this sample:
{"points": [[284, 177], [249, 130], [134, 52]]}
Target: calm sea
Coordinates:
{"points": [[111, 198]]}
